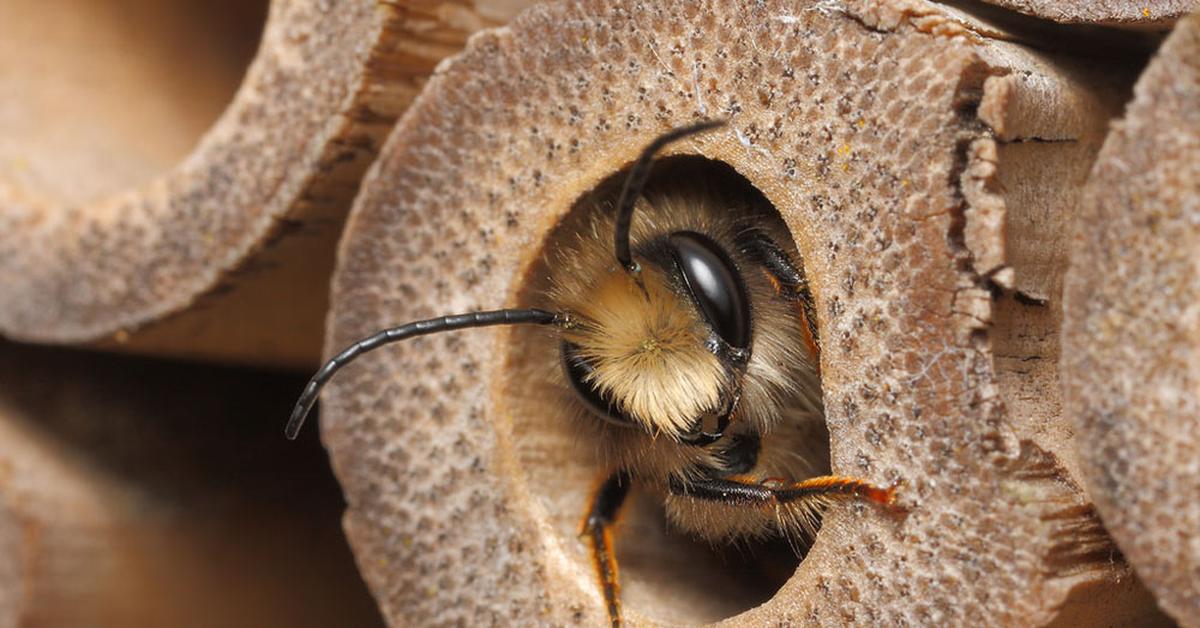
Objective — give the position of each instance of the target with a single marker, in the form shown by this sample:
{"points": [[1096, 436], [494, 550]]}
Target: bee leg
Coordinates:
{"points": [[597, 527], [735, 491], [788, 278]]}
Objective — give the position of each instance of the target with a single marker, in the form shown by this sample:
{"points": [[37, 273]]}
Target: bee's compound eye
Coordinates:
{"points": [[578, 370], [715, 285]]}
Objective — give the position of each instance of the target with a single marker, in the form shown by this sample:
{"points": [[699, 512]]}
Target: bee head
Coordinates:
{"points": [[663, 347], [640, 345], [662, 340]]}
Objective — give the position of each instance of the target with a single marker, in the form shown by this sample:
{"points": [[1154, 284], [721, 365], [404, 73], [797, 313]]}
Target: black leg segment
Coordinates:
{"points": [[597, 527], [737, 492], [790, 282]]}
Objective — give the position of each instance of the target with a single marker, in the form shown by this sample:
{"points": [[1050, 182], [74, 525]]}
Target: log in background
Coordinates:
{"points": [[128, 221], [172, 181], [1133, 327], [136, 492], [949, 142]]}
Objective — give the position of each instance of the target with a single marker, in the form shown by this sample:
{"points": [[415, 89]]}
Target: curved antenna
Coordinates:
{"points": [[395, 334], [637, 180]]}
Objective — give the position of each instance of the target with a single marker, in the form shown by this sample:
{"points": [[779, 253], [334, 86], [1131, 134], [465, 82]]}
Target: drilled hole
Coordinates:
{"points": [[665, 574], [103, 95]]}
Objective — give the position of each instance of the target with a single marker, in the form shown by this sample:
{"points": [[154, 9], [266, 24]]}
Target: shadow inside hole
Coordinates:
{"points": [[665, 574]]}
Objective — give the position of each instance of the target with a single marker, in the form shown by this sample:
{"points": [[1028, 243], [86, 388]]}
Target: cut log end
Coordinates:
{"points": [[1132, 330], [865, 126], [1155, 14]]}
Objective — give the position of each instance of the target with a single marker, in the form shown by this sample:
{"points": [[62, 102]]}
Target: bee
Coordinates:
{"points": [[689, 346]]}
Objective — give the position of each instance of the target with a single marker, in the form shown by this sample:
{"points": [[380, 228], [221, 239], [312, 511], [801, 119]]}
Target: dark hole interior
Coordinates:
{"points": [[211, 517], [665, 574]]}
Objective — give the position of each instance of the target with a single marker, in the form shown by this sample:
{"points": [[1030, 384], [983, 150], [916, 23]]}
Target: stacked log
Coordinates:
{"points": [[131, 223], [135, 492], [1132, 330]]}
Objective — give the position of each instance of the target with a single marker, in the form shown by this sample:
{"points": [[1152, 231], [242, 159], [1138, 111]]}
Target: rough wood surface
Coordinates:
{"points": [[125, 219], [138, 493], [909, 155], [1130, 13], [1132, 334]]}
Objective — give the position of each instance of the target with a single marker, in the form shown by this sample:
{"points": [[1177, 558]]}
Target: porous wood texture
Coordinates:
{"points": [[1143, 13], [901, 149], [137, 493], [126, 220], [1132, 332]]}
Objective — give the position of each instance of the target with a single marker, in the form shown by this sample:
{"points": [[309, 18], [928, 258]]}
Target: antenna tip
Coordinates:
{"points": [[296, 421]]}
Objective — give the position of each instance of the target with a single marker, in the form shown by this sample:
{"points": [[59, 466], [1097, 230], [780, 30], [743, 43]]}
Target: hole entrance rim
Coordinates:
{"points": [[562, 488]]}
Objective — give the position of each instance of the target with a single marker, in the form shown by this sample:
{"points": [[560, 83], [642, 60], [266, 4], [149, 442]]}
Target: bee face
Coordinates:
{"points": [[678, 348], [641, 342]]}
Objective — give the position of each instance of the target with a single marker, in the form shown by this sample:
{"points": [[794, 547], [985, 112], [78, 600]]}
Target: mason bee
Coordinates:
{"points": [[688, 343]]}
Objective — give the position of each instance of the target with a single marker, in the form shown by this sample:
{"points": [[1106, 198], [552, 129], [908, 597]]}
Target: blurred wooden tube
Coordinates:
{"points": [[138, 493], [1132, 330], [143, 208], [927, 166], [1135, 15]]}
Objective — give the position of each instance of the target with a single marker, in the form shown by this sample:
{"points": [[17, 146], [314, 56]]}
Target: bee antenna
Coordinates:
{"points": [[637, 180], [395, 334]]}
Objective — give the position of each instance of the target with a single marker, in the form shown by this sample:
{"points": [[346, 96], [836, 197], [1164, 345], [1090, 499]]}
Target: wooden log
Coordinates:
{"points": [[138, 493], [145, 206], [1145, 14], [927, 172], [1132, 330]]}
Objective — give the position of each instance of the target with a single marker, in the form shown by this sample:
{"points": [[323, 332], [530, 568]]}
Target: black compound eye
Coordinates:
{"points": [[715, 285], [577, 370]]}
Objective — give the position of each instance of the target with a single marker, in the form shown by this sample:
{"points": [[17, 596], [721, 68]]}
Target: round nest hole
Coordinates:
{"points": [[108, 94], [665, 574]]}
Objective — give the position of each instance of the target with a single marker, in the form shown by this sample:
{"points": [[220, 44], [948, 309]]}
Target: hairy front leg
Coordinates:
{"points": [[801, 502]]}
